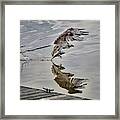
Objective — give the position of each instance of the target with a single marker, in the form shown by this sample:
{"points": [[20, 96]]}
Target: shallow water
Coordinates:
{"points": [[83, 60]]}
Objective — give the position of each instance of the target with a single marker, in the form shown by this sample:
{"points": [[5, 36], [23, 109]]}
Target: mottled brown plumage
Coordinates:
{"points": [[63, 41], [66, 80]]}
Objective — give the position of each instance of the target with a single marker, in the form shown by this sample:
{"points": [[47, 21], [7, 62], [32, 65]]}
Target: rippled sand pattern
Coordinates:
{"points": [[83, 60]]}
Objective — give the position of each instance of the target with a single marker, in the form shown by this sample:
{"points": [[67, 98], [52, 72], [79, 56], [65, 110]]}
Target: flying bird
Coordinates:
{"points": [[64, 40]]}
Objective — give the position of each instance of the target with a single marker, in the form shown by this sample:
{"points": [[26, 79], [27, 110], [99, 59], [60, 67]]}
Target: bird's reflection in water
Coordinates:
{"points": [[67, 80]]}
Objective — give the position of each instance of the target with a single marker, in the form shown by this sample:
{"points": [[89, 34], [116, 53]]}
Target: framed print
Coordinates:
{"points": [[60, 59]]}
